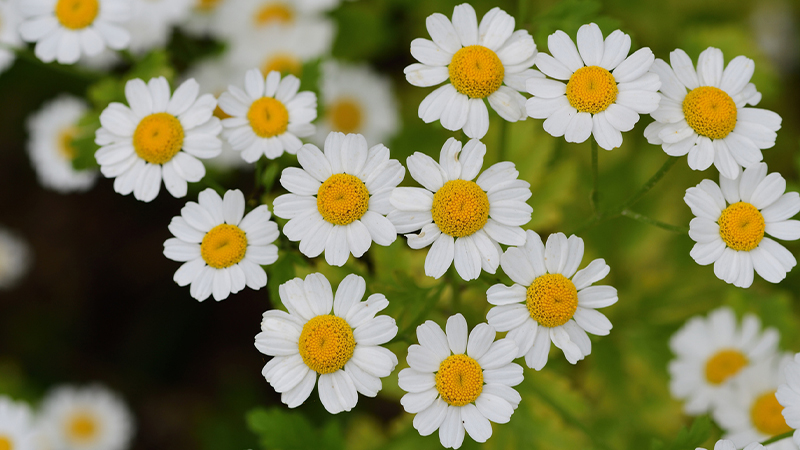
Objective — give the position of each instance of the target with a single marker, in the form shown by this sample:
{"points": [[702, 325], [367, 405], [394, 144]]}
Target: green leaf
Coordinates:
{"points": [[83, 142], [285, 430], [690, 438]]}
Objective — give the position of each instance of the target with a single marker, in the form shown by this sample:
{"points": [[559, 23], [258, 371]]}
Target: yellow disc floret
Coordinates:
{"points": [[342, 199], [591, 89], [82, 427], [65, 147], [273, 13], [345, 115], [741, 226], [5, 443], [326, 343], [158, 138], [710, 112], [767, 415], [459, 380], [552, 300], [77, 14], [285, 63], [460, 208], [223, 246], [268, 117], [207, 5], [724, 364], [476, 71]]}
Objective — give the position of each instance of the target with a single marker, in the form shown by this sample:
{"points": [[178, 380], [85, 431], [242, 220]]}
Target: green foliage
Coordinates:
{"points": [[278, 428], [694, 437], [83, 142], [568, 16]]}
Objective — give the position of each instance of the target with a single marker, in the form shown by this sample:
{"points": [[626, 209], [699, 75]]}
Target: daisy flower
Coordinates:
{"points": [[605, 89], [344, 348], [269, 116], [788, 396], [477, 60], [63, 30], [339, 199], [724, 444], [241, 18], [152, 22], [15, 259], [711, 351], [221, 248], [157, 137], [457, 383], [9, 21], [545, 305], [203, 17], [463, 219], [16, 425], [732, 218], [51, 131], [711, 122], [88, 418]]}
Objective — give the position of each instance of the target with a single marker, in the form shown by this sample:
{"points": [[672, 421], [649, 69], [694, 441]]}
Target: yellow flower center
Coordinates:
{"points": [[65, 147], [342, 199], [82, 427], [268, 117], [5, 443], [476, 71], [285, 63], [459, 380], [158, 138], [591, 89], [207, 5], [741, 226], [326, 343], [710, 112], [552, 300], [724, 364], [767, 417], [273, 13], [345, 115], [77, 14], [460, 208], [223, 246]]}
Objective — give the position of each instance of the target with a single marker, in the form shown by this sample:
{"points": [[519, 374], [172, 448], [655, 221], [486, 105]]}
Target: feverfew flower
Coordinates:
{"points": [[344, 348], [732, 218], [240, 19], [15, 259], [16, 425], [711, 122], [605, 89], [9, 21], [203, 17], [477, 60], [724, 444], [152, 22], [788, 396]]}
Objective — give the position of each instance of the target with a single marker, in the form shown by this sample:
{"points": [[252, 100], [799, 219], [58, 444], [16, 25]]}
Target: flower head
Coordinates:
{"points": [[16, 425], [788, 395]]}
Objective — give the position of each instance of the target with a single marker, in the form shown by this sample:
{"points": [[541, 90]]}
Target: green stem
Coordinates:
{"points": [[402, 335], [567, 416], [658, 223], [779, 437], [214, 185], [595, 196], [522, 13], [25, 54], [501, 147]]}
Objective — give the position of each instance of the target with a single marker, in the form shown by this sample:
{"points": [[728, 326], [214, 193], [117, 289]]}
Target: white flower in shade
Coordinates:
{"points": [[477, 60], [711, 351], [152, 22], [463, 219], [9, 21], [605, 89], [220, 247], [732, 218], [63, 30], [203, 17], [457, 383], [547, 303], [788, 396], [51, 131], [16, 425], [87, 418], [344, 348], [711, 122], [356, 99], [269, 116], [158, 136], [338, 200], [240, 19], [724, 444], [15, 259]]}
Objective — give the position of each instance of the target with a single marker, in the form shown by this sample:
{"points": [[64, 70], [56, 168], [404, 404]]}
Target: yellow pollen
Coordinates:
{"points": [[77, 14], [268, 117], [65, 147], [724, 364], [552, 300], [345, 115], [591, 89], [459, 380], [5, 443], [285, 63], [273, 13], [326, 343], [766, 414], [460, 208], [710, 112], [158, 138], [82, 427], [741, 226], [476, 71], [342, 199], [207, 5], [223, 246]]}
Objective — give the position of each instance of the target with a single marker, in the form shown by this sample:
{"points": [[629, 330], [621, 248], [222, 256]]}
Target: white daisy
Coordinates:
{"points": [[455, 383], [65, 29], [731, 222], [605, 89], [87, 418], [51, 131], [339, 199], [463, 219], [157, 136], [724, 444], [788, 396], [152, 22], [545, 305], [477, 60], [711, 122], [239, 19], [15, 259], [9, 21], [203, 17], [344, 348], [221, 248], [711, 351], [269, 116], [17, 430]]}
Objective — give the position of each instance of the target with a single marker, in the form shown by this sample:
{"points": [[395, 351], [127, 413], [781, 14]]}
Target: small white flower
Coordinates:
{"points": [[158, 136], [457, 383], [17, 430], [344, 348], [788, 396], [15, 259], [9, 21], [152, 22], [221, 248], [731, 222], [711, 122], [202, 20], [724, 444]]}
